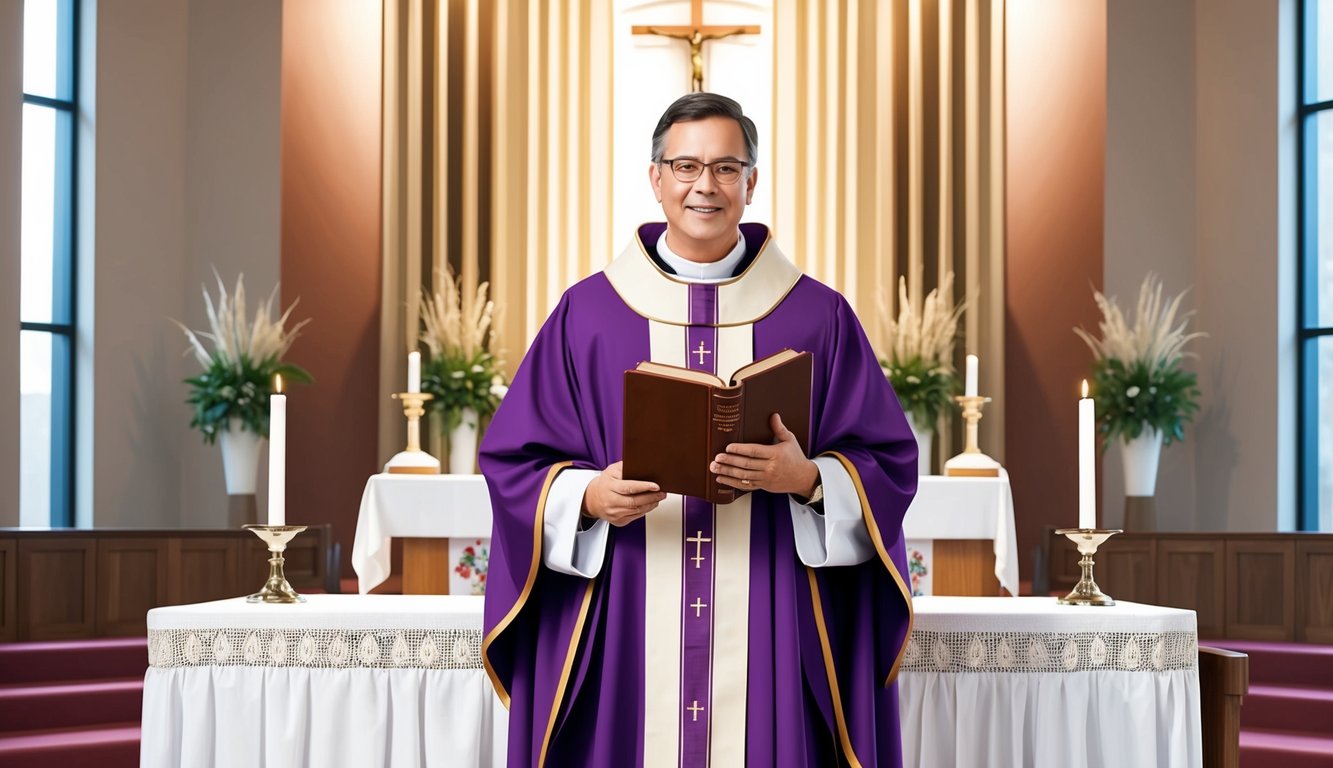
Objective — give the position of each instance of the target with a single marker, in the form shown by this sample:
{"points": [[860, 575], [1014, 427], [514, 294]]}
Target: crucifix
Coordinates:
{"points": [[696, 34]]}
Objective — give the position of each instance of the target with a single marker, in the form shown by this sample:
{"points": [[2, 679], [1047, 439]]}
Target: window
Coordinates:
{"points": [[47, 309]]}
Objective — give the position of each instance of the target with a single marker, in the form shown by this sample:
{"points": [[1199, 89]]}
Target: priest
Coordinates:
{"points": [[627, 626]]}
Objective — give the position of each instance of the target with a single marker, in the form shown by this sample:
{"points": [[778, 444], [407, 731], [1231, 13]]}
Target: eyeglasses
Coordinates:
{"points": [[687, 169]]}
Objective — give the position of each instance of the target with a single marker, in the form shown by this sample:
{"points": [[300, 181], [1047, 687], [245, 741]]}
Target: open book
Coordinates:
{"points": [[677, 420]]}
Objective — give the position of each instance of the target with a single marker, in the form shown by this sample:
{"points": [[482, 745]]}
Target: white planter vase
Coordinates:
{"points": [[240, 458], [924, 441], [463, 444], [1140, 457]]}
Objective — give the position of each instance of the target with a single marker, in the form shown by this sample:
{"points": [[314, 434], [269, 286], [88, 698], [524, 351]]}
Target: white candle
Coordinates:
{"points": [[277, 455], [414, 372], [970, 388], [1087, 472]]}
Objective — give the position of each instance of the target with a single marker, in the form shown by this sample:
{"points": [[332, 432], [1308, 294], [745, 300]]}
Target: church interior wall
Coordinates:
{"points": [[1150, 202], [1055, 89], [331, 106], [11, 162]]}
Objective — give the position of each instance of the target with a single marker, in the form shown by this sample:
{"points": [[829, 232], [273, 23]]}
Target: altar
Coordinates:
{"points": [[959, 531], [1026, 681], [383, 680], [397, 681]]}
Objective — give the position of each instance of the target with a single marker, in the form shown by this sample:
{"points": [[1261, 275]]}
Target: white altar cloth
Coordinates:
{"points": [[342, 680], [968, 508], [1027, 682], [425, 506]]}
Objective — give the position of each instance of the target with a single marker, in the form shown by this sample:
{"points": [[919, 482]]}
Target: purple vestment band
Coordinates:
{"points": [[698, 574]]}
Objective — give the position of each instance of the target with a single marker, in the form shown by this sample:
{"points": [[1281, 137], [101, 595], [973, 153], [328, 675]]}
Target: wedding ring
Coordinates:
{"points": [[746, 482]]}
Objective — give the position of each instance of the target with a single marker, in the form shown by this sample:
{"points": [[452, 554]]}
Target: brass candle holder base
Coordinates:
{"points": [[1086, 592], [276, 589], [412, 460], [971, 462]]}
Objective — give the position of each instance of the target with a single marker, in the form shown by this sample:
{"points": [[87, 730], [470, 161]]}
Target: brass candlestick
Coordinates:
{"points": [[1086, 592], [413, 460], [276, 589], [971, 462]]}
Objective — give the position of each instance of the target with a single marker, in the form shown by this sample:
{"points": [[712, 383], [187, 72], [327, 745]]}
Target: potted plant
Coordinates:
{"points": [[1144, 397], [463, 373], [919, 363], [230, 397]]}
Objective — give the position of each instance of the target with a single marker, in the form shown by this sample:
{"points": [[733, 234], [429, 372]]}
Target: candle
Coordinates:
{"points": [[414, 372], [1087, 472], [277, 455], [970, 389]]}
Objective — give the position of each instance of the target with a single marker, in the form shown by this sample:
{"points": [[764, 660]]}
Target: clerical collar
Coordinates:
{"points": [[696, 272]]}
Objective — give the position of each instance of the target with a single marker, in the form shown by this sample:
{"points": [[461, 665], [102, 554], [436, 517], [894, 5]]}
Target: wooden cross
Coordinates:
{"points": [[696, 709], [696, 34]]}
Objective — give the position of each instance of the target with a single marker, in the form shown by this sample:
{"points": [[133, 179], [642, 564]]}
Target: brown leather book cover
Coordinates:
{"points": [[677, 420]]}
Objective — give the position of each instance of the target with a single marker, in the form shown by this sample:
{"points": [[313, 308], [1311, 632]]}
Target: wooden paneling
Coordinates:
{"points": [[9, 624], [425, 566], [1192, 574], [131, 580], [56, 592], [1125, 569], [965, 567], [205, 569], [1261, 589], [1224, 679], [1314, 591]]}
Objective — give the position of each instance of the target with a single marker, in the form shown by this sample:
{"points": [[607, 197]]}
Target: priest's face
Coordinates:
{"points": [[703, 214]]}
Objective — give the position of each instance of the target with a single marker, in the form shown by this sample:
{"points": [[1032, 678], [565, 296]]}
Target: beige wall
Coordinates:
{"points": [[1197, 137], [1150, 179], [178, 147], [11, 131]]}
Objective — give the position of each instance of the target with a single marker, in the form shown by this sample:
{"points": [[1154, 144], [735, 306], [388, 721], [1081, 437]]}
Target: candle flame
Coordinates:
{"points": [[277, 384], [1085, 387]]}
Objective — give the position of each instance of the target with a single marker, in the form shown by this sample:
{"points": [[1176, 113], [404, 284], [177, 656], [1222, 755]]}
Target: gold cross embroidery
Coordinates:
{"points": [[696, 709], [698, 540], [698, 605], [701, 352]]}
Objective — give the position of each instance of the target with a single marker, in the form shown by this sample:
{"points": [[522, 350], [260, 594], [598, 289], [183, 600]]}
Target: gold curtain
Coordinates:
{"points": [[889, 119], [888, 159], [497, 161]]}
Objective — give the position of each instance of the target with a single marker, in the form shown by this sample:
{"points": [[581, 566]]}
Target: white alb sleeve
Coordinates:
{"points": [[565, 548], [839, 536]]}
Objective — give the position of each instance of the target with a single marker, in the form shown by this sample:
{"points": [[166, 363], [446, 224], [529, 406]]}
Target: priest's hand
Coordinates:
{"points": [[618, 501], [778, 468]]}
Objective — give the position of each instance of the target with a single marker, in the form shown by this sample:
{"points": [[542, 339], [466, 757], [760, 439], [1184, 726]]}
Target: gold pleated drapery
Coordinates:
{"points": [[888, 159], [497, 161]]}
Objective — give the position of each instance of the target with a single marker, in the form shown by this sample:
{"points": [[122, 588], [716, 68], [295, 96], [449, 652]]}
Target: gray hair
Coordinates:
{"points": [[697, 106]]}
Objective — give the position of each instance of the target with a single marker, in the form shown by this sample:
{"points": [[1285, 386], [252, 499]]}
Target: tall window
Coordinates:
{"points": [[47, 308]]}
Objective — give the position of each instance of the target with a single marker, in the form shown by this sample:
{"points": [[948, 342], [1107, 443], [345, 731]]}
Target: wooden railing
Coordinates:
{"points": [[67, 584]]}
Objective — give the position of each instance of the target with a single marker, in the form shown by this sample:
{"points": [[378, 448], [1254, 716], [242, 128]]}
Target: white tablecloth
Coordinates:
{"points": [[343, 680], [968, 508], [1028, 682], [427, 506]]}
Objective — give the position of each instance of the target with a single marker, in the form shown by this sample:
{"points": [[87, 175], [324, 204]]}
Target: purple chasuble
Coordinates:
{"points": [[567, 654]]}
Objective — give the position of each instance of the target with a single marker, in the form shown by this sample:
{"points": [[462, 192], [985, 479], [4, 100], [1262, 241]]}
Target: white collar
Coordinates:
{"points": [[697, 272]]}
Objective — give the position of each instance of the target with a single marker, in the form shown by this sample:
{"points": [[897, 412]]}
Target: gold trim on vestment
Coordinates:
{"points": [[564, 673], [656, 295], [883, 551], [538, 522], [843, 735]]}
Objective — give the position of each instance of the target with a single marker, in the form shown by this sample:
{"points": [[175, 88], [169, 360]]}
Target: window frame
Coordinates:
{"points": [[64, 282]]}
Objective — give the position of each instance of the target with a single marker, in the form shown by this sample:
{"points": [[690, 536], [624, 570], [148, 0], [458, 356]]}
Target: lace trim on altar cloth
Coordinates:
{"points": [[322, 648], [1050, 652]]}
